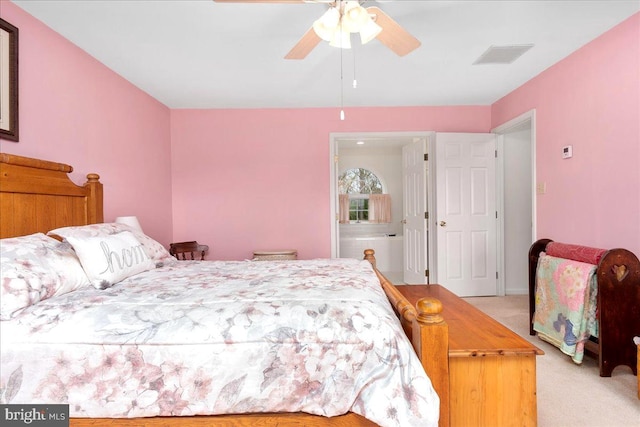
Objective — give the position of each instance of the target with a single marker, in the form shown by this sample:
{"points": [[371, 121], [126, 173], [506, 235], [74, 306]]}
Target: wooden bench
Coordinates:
{"points": [[492, 369]]}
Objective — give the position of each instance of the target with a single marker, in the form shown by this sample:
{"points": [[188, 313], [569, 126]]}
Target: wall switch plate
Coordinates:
{"points": [[567, 151], [541, 188]]}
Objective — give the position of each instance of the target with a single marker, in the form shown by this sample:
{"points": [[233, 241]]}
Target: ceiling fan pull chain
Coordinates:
{"points": [[355, 82]]}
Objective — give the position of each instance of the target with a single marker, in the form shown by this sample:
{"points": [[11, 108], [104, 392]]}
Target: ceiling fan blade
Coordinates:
{"points": [[305, 45], [393, 35]]}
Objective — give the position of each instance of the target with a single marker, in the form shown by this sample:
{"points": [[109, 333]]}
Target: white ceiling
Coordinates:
{"points": [[202, 54]]}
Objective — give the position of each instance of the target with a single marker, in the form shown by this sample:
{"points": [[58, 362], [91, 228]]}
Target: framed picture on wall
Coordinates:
{"points": [[8, 81]]}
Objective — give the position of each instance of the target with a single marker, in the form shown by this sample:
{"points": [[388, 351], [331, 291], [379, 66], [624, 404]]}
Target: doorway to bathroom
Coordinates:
{"points": [[401, 242]]}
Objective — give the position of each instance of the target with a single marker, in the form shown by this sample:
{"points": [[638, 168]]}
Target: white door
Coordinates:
{"points": [[466, 213], [415, 205]]}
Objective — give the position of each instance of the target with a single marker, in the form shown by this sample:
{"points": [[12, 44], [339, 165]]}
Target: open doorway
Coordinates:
{"points": [[381, 154], [516, 193], [517, 201]]}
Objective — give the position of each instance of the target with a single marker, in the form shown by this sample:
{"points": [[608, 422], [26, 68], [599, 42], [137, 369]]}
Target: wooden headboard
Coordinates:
{"points": [[38, 196]]}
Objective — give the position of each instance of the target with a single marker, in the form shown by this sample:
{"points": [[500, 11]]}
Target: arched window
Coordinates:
{"points": [[357, 184], [359, 181]]}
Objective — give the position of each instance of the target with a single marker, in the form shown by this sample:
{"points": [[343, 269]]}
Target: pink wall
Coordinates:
{"points": [[247, 180], [75, 110], [258, 179], [590, 100]]}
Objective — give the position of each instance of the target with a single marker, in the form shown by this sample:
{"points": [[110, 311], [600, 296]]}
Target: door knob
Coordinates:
{"points": [[443, 223], [404, 221]]}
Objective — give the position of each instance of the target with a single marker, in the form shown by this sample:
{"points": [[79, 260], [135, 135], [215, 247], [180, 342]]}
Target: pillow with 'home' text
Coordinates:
{"points": [[155, 251], [112, 258]]}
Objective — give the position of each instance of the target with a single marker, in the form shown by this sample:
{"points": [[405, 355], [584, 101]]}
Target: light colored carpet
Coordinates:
{"points": [[569, 394]]}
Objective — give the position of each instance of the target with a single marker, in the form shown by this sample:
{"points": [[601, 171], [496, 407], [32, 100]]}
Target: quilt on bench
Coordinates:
{"points": [[566, 304]]}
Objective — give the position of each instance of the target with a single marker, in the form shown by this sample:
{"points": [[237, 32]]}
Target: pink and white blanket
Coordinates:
{"points": [[566, 304], [200, 338]]}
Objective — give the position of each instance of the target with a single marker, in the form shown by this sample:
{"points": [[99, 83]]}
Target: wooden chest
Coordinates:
{"points": [[492, 369]]}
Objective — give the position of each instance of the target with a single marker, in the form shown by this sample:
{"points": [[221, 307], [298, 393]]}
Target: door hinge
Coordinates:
{"points": [[335, 158], [496, 154], [496, 275], [426, 157], [426, 215], [426, 273], [496, 214]]}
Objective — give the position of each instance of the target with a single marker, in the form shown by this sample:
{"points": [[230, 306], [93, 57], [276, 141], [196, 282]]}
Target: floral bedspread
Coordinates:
{"points": [[566, 304], [215, 337]]}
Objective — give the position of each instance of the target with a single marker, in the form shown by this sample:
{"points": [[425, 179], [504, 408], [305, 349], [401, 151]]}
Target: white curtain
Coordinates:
{"points": [[343, 209], [379, 208]]}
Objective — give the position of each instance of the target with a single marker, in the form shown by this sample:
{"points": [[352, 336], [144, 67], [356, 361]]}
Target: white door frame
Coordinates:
{"points": [[500, 131], [334, 137]]}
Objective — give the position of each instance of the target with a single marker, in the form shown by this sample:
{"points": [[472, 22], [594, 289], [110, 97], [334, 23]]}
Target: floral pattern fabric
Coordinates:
{"points": [[213, 337], [34, 268], [566, 304]]}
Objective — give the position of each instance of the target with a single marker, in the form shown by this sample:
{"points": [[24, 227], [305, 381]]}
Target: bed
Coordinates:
{"points": [[586, 300], [36, 196]]}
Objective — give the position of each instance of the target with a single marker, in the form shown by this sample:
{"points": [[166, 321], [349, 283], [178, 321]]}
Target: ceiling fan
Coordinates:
{"points": [[341, 20]]}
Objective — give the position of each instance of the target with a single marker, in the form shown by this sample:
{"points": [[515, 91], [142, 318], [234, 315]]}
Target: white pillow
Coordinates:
{"points": [[154, 250], [110, 259]]}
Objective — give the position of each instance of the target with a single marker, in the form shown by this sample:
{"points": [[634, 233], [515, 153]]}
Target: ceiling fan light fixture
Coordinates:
{"points": [[328, 24], [369, 31], [341, 39], [354, 17], [338, 22]]}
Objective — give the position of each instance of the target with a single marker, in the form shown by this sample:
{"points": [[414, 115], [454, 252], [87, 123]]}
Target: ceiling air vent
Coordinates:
{"points": [[502, 54]]}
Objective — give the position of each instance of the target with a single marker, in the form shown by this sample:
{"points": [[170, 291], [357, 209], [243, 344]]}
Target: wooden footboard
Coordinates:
{"points": [[429, 334], [618, 276]]}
